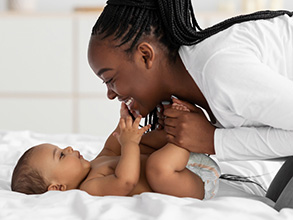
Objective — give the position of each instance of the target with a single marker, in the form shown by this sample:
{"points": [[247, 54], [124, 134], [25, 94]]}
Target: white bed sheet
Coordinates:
{"points": [[235, 201]]}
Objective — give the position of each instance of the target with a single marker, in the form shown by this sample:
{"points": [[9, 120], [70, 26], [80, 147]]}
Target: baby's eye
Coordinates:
{"points": [[62, 155]]}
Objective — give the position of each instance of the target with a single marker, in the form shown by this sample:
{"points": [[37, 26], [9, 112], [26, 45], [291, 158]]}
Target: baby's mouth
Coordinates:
{"points": [[79, 155]]}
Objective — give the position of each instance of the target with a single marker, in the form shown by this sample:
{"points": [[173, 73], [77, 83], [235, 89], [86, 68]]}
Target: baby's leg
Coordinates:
{"points": [[166, 173]]}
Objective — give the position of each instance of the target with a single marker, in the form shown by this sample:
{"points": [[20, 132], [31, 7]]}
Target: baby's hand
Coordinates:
{"points": [[124, 111], [130, 131]]}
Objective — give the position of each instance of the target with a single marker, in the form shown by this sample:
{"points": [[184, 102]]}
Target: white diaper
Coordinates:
{"points": [[207, 169]]}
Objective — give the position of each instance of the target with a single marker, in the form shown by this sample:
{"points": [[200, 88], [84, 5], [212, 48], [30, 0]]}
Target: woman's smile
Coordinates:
{"points": [[130, 105]]}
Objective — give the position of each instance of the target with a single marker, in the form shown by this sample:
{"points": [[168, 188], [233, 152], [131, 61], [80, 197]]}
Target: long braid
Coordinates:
{"points": [[172, 22], [189, 33], [260, 15]]}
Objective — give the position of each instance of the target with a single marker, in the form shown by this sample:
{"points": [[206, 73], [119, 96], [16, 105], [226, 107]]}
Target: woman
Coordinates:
{"points": [[240, 71]]}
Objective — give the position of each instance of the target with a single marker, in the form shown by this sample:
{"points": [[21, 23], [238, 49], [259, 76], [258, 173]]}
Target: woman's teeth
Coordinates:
{"points": [[128, 102]]}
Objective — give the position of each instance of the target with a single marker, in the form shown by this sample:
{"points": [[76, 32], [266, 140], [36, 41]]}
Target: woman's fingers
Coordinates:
{"points": [[170, 122], [171, 131]]}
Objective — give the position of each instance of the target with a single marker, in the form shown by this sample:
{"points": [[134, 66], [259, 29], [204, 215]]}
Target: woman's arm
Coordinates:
{"points": [[257, 106], [155, 139], [251, 143], [253, 102]]}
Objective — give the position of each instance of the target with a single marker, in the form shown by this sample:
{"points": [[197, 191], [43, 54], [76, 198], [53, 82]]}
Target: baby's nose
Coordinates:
{"points": [[69, 149]]}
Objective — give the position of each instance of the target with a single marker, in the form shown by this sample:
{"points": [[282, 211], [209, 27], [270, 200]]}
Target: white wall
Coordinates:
{"points": [[46, 84], [35, 83]]}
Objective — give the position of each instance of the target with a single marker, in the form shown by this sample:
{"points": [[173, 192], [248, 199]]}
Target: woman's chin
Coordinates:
{"points": [[135, 113]]}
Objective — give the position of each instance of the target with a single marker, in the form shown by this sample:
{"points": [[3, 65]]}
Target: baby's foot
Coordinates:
{"points": [[180, 107]]}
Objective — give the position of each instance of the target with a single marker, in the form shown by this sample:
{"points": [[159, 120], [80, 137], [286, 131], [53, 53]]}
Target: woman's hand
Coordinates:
{"points": [[160, 114], [190, 130]]}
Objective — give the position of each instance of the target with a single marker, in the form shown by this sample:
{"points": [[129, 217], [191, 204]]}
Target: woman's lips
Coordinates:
{"points": [[129, 103]]}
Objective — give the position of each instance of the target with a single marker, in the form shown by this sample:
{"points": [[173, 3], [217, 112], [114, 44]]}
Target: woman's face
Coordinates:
{"points": [[133, 80]]}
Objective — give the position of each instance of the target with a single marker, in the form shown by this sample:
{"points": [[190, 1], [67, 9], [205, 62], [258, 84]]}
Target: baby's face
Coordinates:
{"points": [[60, 166]]}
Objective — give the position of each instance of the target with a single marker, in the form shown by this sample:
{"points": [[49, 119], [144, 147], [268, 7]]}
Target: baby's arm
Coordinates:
{"points": [[127, 171], [149, 142], [129, 137]]}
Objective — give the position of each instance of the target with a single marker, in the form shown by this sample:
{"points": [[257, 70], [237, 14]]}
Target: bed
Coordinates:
{"points": [[234, 201]]}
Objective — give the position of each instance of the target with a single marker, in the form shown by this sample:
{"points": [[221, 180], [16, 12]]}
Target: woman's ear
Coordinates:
{"points": [[58, 187], [146, 53]]}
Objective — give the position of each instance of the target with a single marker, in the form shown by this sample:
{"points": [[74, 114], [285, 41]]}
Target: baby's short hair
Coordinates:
{"points": [[27, 179]]}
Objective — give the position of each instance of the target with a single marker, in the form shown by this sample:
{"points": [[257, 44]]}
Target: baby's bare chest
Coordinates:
{"points": [[103, 166]]}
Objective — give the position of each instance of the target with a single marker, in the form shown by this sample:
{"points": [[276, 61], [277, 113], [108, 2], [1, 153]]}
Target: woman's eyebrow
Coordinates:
{"points": [[101, 71]]}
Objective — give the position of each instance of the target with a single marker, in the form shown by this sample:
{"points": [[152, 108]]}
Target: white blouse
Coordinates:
{"points": [[246, 74]]}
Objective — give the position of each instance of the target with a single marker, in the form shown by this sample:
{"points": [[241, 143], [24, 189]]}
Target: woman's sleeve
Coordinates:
{"points": [[249, 143], [256, 93]]}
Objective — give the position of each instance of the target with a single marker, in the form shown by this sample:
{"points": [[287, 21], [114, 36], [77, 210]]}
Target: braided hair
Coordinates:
{"points": [[172, 22]]}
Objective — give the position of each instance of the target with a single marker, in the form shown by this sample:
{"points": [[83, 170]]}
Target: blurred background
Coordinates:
{"points": [[46, 84], [200, 5]]}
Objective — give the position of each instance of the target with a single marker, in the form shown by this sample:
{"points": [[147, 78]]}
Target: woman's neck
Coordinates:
{"points": [[185, 88]]}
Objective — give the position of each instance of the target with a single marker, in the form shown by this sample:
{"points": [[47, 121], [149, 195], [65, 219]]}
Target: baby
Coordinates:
{"points": [[130, 163]]}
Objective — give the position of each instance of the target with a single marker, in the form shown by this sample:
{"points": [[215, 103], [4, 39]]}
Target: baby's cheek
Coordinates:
{"points": [[86, 164]]}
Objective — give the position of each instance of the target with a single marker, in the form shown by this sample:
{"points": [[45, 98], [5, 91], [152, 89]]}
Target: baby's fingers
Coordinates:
{"points": [[145, 128], [137, 121], [122, 124], [128, 121], [123, 110]]}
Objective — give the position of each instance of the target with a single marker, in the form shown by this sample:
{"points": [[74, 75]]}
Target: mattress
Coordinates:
{"points": [[235, 200]]}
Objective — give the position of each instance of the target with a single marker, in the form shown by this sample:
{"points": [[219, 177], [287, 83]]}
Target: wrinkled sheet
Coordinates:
{"points": [[234, 201]]}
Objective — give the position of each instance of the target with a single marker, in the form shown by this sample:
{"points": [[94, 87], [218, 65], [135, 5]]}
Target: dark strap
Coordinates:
{"points": [[281, 180]]}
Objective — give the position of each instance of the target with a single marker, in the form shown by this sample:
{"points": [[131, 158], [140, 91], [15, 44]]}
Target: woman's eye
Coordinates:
{"points": [[62, 155], [108, 81]]}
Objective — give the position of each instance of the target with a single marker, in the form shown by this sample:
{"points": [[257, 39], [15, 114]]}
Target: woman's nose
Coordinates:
{"points": [[111, 95]]}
